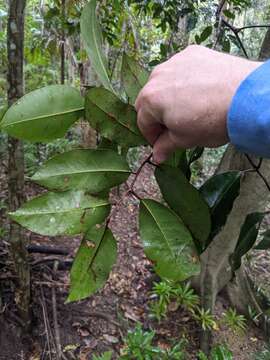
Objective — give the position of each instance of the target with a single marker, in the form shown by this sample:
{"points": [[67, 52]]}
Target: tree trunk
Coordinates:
{"points": [[63, 39], [15, 44], [216, 271]]}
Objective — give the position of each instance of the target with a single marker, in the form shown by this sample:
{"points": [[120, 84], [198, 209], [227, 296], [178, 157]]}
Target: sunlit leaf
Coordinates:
{"points": [[84, 169], [92, 37], [167, 242], [112, 118], [67, 213], [93, 263], [44, 114], [186, 201], [134, 77]]}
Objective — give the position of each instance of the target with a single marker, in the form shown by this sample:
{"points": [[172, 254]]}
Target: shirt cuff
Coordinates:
{"points": [[248, 119]]}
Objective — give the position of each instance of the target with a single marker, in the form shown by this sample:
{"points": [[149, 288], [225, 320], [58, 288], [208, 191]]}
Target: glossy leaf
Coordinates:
{"points": [[265, 243], [195, 154], [112, 118], [92, 37], [179, 160], [219, 192], [93, 263], [134, 77], [186, 201], [67, 213], [247, 238], [44, 114], [167, 242], [83, 169]]}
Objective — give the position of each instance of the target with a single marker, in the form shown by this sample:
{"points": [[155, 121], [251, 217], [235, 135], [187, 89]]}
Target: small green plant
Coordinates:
{"points": [[106, 356], [263, 355], [138, 345], [219, 352], [186, 296], [205, 318], [234, 321], [177, 352], [163, 291]]}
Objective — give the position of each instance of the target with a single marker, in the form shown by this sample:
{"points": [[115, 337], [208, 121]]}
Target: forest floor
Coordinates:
{"points": [[101, 322]]}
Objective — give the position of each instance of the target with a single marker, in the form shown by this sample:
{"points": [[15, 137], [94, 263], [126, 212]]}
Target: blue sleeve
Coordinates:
{"points": [[249, 115]]}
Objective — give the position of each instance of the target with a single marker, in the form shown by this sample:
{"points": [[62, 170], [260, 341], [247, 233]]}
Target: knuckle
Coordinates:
{"points": [[148, 95]]}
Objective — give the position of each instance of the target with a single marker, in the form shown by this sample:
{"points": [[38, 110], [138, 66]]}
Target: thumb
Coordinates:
{"points": [[163, 147]]}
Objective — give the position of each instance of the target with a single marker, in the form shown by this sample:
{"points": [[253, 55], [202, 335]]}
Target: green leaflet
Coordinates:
{"points": [[134, 77], [67, 213], [93, 263], [219, 192], [186, 201], [167, 242], [112, 118], [92, 37], [44, 114], [83, 169]]}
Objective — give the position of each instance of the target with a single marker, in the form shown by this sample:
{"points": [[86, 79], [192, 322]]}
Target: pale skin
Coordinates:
{"points": [[186, 100]]}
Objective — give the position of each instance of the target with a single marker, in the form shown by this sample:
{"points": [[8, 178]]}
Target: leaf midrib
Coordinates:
{"points": [[60, 212], [116, 118], [162, 232], [81, 172], [43, 116]]}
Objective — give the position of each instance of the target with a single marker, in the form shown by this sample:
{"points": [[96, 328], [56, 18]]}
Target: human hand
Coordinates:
{"points": [[187, 98]]}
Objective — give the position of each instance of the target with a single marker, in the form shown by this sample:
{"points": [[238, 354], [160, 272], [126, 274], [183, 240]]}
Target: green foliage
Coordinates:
{"points": [[248, 235], [186, 297], [134, 77], [263, 355], [44, 115], [167, 242], [67, 213], [219, 192], [186, 201], [84, 169], [92, 37], [93, 263], [106, 356], [205, 319], [265, 243], [234, 321], [139, 346], [221, 352], [112, 118], [167, 292]]}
